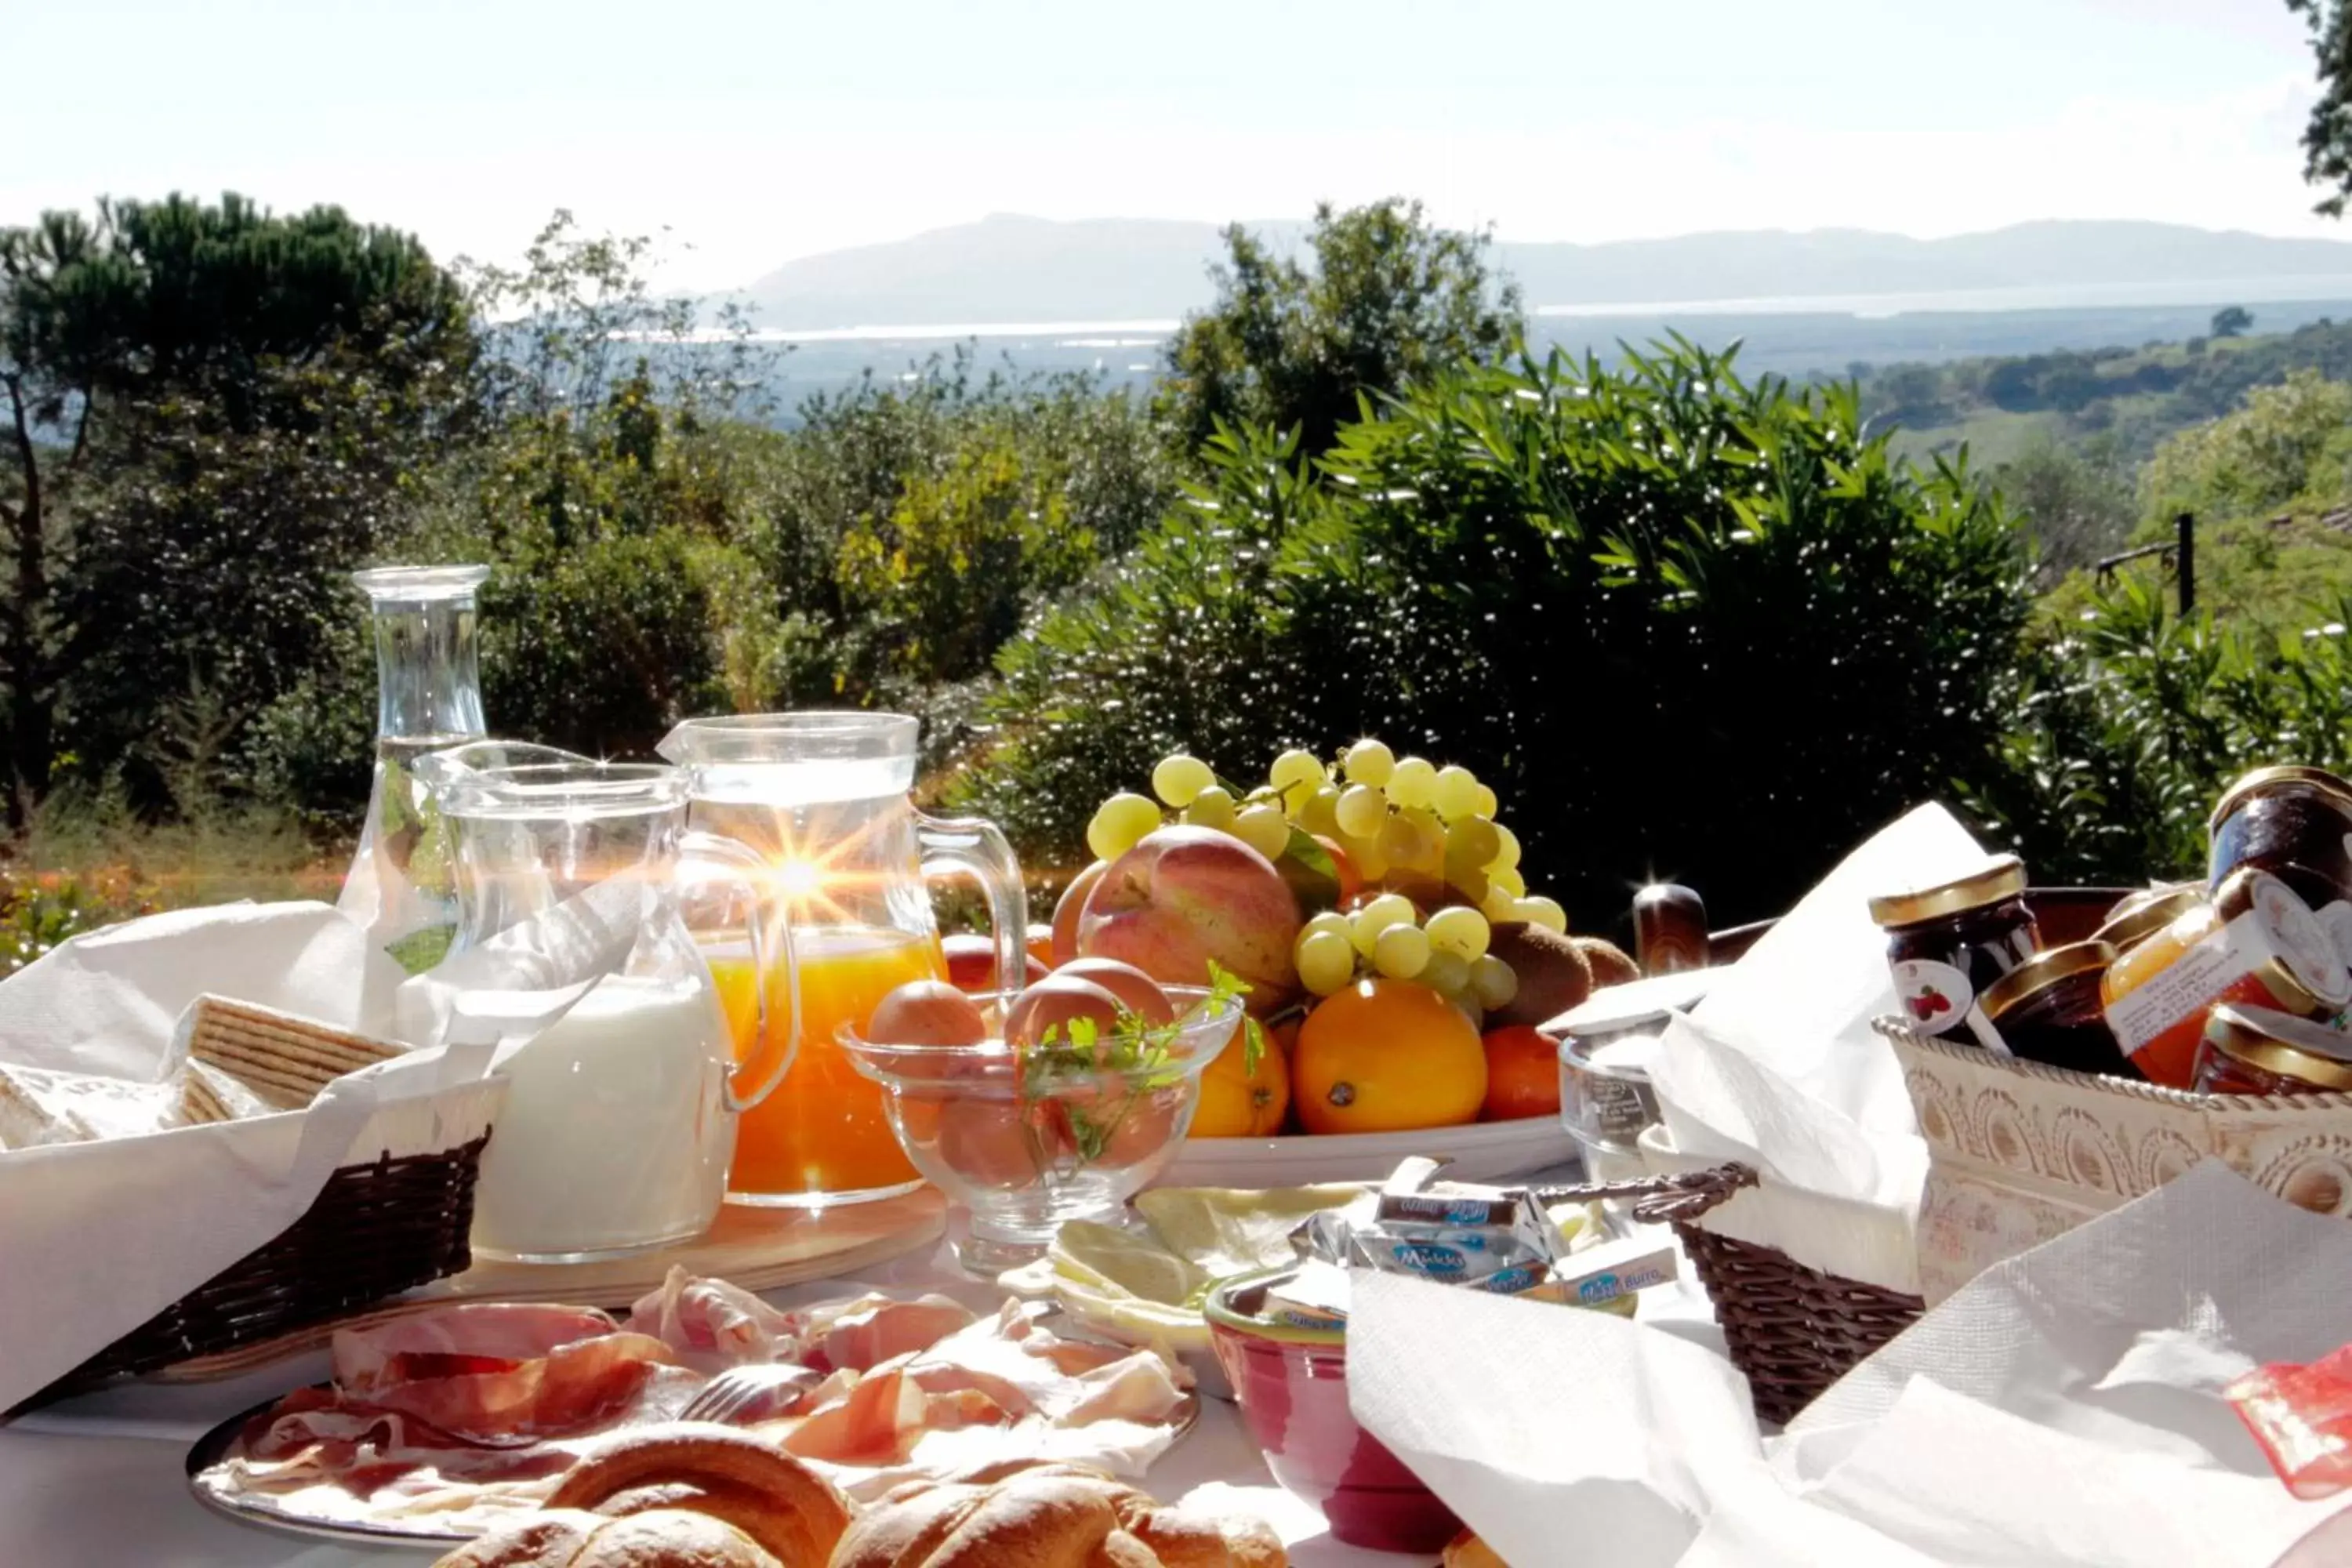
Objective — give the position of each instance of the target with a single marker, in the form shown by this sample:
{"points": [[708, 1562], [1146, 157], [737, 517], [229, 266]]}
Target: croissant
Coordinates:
{"points": [[1031, 1515], [686, 1497]]}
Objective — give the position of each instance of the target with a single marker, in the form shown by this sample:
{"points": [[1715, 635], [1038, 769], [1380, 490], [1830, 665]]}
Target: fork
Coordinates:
{"points": [[730, 1397]]}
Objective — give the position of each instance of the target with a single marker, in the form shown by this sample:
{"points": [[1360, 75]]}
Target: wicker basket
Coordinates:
{"points": [[376, 1228], [1791, 1330]]}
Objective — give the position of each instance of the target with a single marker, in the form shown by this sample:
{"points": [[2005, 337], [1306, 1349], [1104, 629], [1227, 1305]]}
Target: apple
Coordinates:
{"points": [[1066, 912], [1054, 1005], [1138, 991], [1186, 897], [972, 962]]}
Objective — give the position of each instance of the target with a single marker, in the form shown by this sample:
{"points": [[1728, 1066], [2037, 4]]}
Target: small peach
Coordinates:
{"points": [[1054, 1005], [927, 1013], [1138, 991]]}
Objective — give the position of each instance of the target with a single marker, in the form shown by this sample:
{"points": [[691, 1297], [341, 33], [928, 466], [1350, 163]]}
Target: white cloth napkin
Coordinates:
{"points": [[2062, 1410], [107, 1002], [96, 1239], [1778, 1068]]}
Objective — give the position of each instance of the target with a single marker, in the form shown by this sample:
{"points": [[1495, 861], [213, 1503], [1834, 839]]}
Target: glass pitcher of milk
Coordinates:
{"points": [[820, 796], [573, 951]]}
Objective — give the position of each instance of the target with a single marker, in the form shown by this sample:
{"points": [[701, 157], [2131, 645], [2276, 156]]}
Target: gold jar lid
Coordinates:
{"points": [[2043, 970], [2265, 781], [2142, 915], [2003, 876], [2303, 969], [2285, 1047]]}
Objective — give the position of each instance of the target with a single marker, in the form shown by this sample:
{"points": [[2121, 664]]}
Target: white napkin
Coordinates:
{"points": [[1778, 1066], [2060, 1410], [97, 1237], [108, 1000]]}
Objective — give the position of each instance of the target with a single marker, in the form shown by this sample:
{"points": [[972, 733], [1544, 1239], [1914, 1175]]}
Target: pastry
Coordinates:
{"points": [[776, 1499], [1015, 1514], [671, 1539]]}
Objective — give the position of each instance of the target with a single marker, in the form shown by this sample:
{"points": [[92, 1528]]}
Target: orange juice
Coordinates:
{"points": [[823, 1131]]}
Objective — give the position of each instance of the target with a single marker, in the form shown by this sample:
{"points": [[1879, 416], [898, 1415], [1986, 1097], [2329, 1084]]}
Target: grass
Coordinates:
{"points": [[82, 864]]}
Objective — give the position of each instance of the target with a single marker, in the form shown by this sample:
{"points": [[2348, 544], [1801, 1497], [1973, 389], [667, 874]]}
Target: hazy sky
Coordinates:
{"points": [[760, 130]]}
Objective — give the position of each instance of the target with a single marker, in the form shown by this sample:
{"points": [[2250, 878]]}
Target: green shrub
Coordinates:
{"points": [[1656, 606], [2126, 724]]}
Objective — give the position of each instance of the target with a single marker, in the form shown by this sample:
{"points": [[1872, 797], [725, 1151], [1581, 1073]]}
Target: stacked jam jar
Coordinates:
{"points": [[2236, 985]]}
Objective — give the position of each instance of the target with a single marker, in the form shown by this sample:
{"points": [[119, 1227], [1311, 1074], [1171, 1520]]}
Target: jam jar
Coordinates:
{"points": [[2135, 919], [1947, 944], [2254, 1051], [2295, 823], [2048, 1009], [2255, 941]]}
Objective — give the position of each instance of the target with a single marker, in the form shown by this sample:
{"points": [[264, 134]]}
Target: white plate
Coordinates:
{"points": [[1482, 1151]]}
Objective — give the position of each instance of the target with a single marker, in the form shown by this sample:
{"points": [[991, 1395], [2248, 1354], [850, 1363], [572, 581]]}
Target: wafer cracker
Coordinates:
{"points": [[208, 1095], [284, 1060], [39, 1106]]}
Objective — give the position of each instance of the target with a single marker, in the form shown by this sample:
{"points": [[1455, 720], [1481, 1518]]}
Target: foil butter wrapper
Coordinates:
{"points": [[1487, 1239]]}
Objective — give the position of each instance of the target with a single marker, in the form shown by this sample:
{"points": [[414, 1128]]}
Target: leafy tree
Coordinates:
{"points": [[2077, 502], [2287, 441], [2327, 135], [1389, 299], [2232, 322], [211, 407]]}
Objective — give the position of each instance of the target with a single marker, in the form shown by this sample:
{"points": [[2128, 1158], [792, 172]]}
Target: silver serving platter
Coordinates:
{"points": [[270, 1513]]}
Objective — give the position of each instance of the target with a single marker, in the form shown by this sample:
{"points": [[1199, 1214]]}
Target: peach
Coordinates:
{"points": [[972, 962], [1066, 912], [1054, 1005], [1138, 991], [1185, 897], [927, 1013], [988, 1142]]}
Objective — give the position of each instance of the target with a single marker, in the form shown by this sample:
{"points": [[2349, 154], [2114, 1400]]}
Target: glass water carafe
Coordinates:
{"points": [[428, 696], [821, 797], [572, 949]]}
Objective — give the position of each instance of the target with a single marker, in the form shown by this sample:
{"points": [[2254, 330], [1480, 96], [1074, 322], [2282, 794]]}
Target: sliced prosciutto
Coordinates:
{"points": [[864, 1334], [493, 1376], [710, 1325]]}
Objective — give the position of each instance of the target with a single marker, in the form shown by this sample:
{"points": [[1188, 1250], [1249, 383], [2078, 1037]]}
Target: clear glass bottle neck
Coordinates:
{"points": [[428, 670]]}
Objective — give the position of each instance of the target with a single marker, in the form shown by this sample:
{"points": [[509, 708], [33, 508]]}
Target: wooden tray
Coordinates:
{"points": [[758, 1248]]}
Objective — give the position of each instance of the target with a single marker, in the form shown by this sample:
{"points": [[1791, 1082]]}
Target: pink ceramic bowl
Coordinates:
{"points": [[1292, 1385]]}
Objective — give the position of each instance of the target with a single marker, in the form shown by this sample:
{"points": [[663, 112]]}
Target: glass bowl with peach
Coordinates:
{"points": [[1055, 1103]]}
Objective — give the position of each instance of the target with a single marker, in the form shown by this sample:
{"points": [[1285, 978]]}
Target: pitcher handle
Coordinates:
{"points": [[976, 846], [701, 845]]}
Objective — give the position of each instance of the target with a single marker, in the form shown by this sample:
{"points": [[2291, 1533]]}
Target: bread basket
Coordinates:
{"points": [[393, 1214]]}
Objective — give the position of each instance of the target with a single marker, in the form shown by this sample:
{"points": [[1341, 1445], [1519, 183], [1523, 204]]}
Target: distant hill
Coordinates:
{"points": [[1011, 269]]}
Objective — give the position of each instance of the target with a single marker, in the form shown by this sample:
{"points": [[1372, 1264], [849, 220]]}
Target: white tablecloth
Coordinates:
{"points": [[98, 1482]]}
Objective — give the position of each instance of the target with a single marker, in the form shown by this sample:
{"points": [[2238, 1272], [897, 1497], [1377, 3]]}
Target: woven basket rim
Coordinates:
{"points": [[1902, 1034]]}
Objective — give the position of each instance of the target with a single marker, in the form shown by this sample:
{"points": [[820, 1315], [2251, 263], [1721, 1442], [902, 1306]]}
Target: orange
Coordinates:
{"points": [[1387, 1056], [1237, 1104], [1522, 1074]]}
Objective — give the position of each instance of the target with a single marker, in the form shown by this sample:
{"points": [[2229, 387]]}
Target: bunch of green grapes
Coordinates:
{"points": [[1388, 937], [1404, 821], [1188, 787]]}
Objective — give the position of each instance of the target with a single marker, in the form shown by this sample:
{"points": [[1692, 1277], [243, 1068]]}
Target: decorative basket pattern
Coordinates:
{"points": [[376, 1228], [2020, 1153]]}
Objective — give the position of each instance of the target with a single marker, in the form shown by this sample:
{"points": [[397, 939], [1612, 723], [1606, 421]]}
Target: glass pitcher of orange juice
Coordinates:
{"points": [[821, 795]]}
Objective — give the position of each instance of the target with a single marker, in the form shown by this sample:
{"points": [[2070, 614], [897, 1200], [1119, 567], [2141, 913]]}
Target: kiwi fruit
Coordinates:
{"points": [[1554, 975], [1608, 962]]}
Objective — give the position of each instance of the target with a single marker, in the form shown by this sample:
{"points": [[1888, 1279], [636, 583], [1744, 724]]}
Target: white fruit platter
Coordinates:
{"points": [[1478, 1152]]}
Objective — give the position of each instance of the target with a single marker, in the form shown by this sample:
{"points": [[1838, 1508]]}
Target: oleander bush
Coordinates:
{"points": [[1686, 624]]}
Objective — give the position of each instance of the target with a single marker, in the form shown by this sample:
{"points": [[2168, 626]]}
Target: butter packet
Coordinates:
{"points": [[1498, 1240], [1607, 1273]]}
